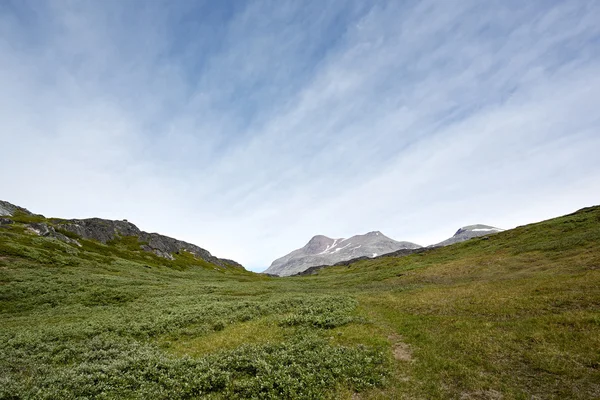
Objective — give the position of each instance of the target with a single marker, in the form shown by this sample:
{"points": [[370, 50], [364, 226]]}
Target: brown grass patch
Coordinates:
{"points": [[401, 350]]}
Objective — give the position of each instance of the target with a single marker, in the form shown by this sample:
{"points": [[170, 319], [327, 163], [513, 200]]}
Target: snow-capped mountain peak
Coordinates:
{"points": [[322, 250]]}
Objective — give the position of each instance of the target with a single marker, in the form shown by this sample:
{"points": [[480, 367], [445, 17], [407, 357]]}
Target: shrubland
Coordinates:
{"points": [[511, 315]]}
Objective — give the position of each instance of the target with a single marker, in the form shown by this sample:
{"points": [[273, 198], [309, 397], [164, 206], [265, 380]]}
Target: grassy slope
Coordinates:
{"points": [[513, 316]]}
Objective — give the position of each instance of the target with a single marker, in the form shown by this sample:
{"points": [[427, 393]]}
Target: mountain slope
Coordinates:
{"points": [[509, 316], [322, 250], [106, 231]]}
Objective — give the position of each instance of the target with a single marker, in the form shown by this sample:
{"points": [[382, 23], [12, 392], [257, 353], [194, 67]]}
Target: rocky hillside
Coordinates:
{"points": [[469, 232], [322, 250], [104, 231]]}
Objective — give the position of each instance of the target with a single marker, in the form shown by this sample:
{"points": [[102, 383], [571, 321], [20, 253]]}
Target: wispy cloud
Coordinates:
{"points": [[248, 128]]}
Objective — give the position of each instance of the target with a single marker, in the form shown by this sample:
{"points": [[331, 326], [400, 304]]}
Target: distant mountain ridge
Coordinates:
{"points": [[104, 230], [322, 250], [469, 232]]}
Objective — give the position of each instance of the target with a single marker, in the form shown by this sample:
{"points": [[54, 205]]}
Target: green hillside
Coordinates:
{"points": [[512, 315]]}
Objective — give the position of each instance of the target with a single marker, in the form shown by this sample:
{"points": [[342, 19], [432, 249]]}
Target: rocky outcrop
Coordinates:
{"points": [[101, 230], [164, 246], [322, 250], [104, 231], [8, 209], [43, 229]]}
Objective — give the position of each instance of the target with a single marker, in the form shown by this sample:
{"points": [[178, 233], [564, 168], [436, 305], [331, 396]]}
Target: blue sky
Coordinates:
{"points": [[249, 127]]}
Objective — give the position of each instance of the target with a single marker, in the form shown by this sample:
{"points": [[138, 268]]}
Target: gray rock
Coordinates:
{"points": [[322, 250], [40, 229], [101, 230], [5, 221], [43, 229], [8, 209], [159, 253]]}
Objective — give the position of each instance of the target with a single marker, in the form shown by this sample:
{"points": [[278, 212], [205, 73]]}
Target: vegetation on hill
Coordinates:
{"points": [[512, 315]]}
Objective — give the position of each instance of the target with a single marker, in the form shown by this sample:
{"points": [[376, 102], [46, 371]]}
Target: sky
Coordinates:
{"points": [[247, 127]]}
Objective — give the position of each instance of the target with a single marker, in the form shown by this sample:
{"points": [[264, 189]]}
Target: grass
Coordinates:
{"points": [[514, 316], [259, 331]]}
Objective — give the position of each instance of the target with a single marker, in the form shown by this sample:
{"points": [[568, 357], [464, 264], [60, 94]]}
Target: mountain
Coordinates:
{"points": [[463, 234], [322, 250], [469, 232], [106, 232]]}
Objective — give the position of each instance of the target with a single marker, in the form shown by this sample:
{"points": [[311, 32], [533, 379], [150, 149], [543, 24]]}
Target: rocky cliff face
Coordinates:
{"points": [[322, 250], [104, 230]]}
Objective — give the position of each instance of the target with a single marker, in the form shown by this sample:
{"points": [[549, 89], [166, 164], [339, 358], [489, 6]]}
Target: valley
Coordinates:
{"points": [[513, 315]]}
